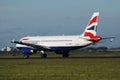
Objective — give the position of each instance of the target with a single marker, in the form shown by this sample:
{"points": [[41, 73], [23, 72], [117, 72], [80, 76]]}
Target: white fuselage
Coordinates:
{"points": [[56, 41]]}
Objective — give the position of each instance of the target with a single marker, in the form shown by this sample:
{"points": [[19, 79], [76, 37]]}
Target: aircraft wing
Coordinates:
{"points": [[30, 45]]}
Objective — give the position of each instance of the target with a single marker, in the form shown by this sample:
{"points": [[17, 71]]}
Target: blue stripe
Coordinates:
{"points": [[66, 48], [55, 48], [91, 28]]}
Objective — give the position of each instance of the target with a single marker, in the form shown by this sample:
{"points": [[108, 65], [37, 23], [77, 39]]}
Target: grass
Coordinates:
{"points": [[72, 54], [60, 69]]}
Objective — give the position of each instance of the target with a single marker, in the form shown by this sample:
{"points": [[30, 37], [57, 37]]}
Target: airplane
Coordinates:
{"points": [[60, 44]]}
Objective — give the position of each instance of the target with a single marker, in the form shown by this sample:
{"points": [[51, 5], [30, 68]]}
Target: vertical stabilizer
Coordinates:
{"points": [[90, 30]]}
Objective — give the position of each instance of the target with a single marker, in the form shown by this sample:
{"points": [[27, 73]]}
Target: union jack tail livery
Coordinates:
{"points": [[90, 30]]}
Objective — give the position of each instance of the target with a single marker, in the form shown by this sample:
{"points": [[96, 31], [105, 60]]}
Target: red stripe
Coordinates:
{"points": [[89, 34], [93, 20], [92, 37], [25, 39]]}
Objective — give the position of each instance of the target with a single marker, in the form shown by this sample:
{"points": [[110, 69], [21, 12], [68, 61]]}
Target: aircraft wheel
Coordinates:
{"points": [[65, 55], [43, 55], [26, 56]]}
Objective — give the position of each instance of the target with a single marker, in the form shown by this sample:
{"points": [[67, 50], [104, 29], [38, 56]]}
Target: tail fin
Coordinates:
{"points": [[90, 30]]}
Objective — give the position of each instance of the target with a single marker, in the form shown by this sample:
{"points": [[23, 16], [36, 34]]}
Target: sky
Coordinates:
{"points": [[19, 18]]}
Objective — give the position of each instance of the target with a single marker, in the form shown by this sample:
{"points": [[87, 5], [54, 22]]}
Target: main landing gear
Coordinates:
{"points": [[26, 56], [65, 53], [43, 54]]}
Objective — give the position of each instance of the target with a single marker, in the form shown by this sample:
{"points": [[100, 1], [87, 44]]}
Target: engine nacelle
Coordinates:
{"points": [[28, 51]]}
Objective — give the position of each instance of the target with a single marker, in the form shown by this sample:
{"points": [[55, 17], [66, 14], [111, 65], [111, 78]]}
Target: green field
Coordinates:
{"points": [[60, 69]]}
